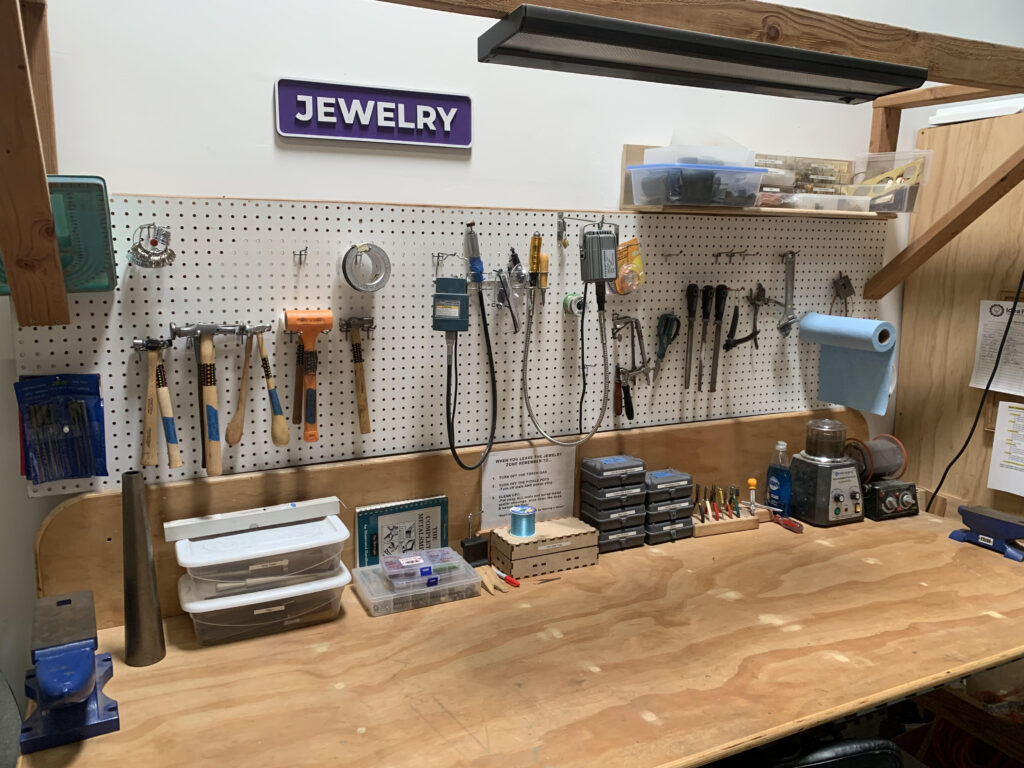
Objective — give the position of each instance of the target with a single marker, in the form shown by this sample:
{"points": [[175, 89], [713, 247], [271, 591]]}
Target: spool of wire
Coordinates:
{"points": [[524, 520], [572, 304], [884, 457]]}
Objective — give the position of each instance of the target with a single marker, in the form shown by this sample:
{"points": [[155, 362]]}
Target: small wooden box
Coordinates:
{"points": [[557, 545]]}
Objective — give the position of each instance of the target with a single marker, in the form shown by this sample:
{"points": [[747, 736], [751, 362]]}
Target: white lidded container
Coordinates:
{"points": [[253, 614], [263, 558]]}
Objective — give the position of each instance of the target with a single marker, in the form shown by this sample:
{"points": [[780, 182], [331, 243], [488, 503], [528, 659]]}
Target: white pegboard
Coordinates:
{"points": [[235, 264]]}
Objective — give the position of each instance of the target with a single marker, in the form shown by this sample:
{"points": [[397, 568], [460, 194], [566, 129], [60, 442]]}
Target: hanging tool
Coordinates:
{"points": [[721, 296], [354, 326], [692, 294], [629, 376], [279, 432], [598, 244], [789, 318], [157, 395], [366, 267], [756, 299], [151, 247], [297, 389], [310, 323], [842, 290], [707, 295], [233, 433], [451, 315], [668, 330], [209, 414]]}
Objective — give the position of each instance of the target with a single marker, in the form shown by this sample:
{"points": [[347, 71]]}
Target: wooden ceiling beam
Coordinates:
{"points": [[948, 59]]}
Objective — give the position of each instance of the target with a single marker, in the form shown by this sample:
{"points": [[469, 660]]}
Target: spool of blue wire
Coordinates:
{"points": [[524, 521]]}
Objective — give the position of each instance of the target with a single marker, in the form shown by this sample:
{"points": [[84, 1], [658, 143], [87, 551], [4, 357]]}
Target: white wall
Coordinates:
{"points": [[176, 98]]}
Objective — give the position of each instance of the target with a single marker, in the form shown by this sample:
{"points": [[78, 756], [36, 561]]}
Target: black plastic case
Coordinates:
{"points": [[613, 519], [612, 471], [613, 541], [671, 531], [612, 498], [666, 511]]}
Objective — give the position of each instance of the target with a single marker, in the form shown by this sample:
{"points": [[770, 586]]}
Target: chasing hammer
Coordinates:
{"points": [[210, 414]]}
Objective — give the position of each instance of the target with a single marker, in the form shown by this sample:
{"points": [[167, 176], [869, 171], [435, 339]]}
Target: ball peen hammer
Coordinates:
{"points": [[354, 326], [309, 323]]}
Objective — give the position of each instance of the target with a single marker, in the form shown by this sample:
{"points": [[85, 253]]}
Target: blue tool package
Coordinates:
{"points": [[62, 427]]}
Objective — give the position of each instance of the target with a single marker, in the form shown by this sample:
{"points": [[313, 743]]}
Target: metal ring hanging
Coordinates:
{"points": [[354, 269]]}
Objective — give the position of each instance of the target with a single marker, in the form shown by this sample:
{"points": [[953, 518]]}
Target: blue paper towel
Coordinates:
{"points": [[855, 363]]}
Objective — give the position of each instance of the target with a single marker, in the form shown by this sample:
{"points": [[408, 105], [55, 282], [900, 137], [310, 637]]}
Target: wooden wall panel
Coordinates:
{"points": [[79, 544], [934, 404]]}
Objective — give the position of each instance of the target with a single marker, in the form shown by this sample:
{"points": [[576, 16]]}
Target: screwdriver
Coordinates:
{"points": [[706, 297], [692, 292], [721, 294]]}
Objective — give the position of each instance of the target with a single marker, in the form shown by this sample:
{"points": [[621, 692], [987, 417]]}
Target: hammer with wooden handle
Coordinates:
{"points": [[152, 347], [310, 323], [297, 389], [233, 433], [279, 432], [353, 326], [210, 413]]}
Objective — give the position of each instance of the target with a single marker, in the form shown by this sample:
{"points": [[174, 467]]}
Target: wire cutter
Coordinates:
{"points": [[668, 329]]}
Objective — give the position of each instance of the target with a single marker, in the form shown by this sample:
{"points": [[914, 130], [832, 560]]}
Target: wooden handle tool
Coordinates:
{"points": [[163, 398], [211, 416], [279, 432], [233, 433], [297, 405], [150, 455], [357, 361]]}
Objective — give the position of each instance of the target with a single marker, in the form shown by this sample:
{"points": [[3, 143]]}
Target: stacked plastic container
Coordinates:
{"points": [[668, 506], [696, 175], [415, 580], [612, 497], [261, 581]]}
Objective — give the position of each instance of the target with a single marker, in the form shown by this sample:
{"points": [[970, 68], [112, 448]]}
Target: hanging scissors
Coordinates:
{"points": [[668, 330]]}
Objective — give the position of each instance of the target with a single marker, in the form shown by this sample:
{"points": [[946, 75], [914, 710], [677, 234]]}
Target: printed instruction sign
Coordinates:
{"points": [[312, 110], [1006, 466], [539, 477], [991, 324]]}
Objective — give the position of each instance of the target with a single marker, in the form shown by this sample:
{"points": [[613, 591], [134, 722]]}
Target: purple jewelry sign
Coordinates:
{"points": [[312, 110]]}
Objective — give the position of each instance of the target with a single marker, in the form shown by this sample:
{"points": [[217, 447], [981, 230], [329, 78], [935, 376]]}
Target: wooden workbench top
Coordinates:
{"points": [[669, 655]]}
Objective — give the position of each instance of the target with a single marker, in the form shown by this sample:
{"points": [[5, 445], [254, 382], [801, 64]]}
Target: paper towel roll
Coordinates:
{"points": [[855, 362]]}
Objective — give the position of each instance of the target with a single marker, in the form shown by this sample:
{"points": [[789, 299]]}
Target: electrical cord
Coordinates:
{"points": [[984, 395], [583, 354], [599, 287], [451, 402]]}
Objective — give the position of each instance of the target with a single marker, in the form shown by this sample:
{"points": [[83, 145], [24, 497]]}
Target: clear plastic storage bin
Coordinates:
{"points": [[890, 179], [253, 614], [380, 598], [264, 558], [688, 184]]}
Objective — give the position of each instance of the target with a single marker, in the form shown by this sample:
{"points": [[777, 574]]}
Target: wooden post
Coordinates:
{"points": [[27, 238]]}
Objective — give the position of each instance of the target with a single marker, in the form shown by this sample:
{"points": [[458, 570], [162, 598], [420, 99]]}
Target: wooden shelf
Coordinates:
{"points": [[698, 210]]}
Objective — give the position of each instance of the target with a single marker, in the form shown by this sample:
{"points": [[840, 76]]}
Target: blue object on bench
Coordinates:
{"points": [[68, 677], [993, 530]]}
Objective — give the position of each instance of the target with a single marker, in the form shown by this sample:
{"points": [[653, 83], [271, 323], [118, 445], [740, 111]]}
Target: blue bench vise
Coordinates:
{"points": [[67, 680], [993, 530]]}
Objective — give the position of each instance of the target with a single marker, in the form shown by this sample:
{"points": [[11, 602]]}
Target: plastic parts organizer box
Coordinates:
{"points": [[253, 614], [263, 558], [378, 594]]}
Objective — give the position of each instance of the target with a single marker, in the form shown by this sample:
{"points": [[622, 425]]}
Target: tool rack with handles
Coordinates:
{"points": [[235, 264]]}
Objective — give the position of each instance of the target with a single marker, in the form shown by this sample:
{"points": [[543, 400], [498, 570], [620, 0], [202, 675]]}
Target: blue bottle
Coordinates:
{"points": [[780, 482]]}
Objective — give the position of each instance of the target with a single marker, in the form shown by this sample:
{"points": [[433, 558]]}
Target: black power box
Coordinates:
{"points": [[886, 499]]}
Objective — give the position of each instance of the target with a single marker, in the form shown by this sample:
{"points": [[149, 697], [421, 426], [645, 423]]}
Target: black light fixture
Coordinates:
{"points": [[566, 41]]}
